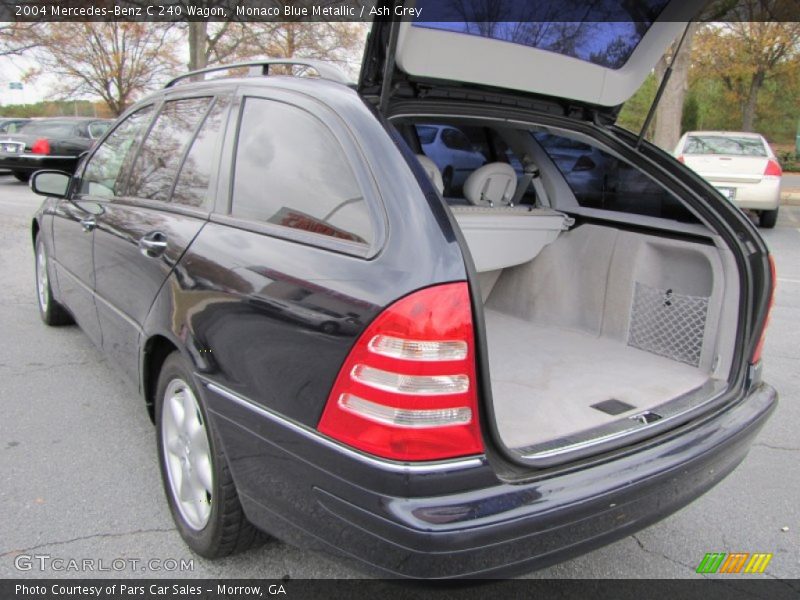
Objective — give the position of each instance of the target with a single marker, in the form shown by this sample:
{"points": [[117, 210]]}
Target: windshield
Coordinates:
{"points": [[604, 32], [54, 128], [725, 144]]}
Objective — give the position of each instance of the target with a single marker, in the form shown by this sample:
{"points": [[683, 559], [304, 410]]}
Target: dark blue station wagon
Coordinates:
{"points": [[426, 376]]}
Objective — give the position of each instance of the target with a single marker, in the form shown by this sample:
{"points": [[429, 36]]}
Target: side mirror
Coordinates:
{"points": [[51, 183]]}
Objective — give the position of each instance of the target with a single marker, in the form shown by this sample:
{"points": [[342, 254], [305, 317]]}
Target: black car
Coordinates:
{"points": [[526, 374], [52, 143]]}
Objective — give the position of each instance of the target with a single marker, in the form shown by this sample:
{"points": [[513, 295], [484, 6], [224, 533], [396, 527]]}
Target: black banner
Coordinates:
{"points": [[475, 11], [723, 588]]}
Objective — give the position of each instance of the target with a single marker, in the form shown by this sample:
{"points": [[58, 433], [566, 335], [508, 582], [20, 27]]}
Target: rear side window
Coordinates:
{"points": [[161, 153], [455, 140], [191, 189], [601, 180], [426, 134], [291, 171], [102, 175], [51, 128], [11, 127], [98, 129]]}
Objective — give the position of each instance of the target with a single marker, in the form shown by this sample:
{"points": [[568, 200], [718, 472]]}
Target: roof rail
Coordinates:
{"points": [[261, 67]]}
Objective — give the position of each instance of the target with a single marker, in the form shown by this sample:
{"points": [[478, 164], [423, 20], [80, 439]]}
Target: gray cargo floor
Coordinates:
{"points": [[546, 379]]}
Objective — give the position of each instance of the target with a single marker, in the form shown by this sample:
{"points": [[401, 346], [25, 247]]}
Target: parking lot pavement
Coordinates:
{"points": [[790, 182], [80, 477]]}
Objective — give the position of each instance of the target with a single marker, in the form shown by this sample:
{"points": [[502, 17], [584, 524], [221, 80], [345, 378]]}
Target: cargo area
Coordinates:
{"points": [[608, 305], [603, 325]]}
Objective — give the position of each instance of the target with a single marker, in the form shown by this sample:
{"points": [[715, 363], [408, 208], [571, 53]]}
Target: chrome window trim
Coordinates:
{"points": [[373, 461]]}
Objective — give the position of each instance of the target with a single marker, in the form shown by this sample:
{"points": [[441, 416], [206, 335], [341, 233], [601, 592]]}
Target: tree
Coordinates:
{"points": [[332, 41], [745, 54], [16, 38], [212, 43], [118, 61], [669, 113]]}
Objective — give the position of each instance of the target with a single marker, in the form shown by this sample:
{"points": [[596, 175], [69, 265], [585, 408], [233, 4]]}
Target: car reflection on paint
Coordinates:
{"points": [[314, 317]]}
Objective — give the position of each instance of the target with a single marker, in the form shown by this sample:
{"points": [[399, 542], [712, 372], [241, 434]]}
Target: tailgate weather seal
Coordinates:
{"points": [[626, 430]]}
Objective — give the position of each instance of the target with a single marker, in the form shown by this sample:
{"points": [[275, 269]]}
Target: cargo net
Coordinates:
{"points": [[668, 324]]}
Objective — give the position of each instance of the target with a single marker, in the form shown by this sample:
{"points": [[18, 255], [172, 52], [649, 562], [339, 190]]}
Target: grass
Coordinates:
{"points": [[787, 156]]}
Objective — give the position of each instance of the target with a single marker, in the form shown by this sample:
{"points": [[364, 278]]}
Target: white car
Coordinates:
{"points": [[453, 153], [740, 165]]}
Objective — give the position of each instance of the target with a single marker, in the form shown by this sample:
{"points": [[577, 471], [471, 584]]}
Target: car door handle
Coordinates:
{"points": [[88, 224], [153, 244]]}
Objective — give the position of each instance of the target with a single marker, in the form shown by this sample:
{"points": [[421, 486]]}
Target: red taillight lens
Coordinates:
{"points": [[41, 146], [407, 390], [760, 345], [681, 159], [773, 169]]}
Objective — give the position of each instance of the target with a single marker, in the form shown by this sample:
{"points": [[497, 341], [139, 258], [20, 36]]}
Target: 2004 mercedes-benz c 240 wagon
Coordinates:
{"points": [[337, 350]]}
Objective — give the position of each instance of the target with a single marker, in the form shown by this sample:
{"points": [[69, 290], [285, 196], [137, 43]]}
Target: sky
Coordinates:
{"points": [[12, 70]]}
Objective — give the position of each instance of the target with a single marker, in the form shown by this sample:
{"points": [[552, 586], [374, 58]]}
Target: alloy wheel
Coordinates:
{"points": [[187, 454]]}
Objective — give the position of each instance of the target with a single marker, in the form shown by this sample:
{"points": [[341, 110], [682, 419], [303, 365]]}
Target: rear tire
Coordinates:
{"points": [[21, 176], [768, 218], [197, 481], [51, 312]]}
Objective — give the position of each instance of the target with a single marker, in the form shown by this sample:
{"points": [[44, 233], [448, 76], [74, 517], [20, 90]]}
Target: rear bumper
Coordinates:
{"points": [[764, 195], [30, 163], [460, 521]]}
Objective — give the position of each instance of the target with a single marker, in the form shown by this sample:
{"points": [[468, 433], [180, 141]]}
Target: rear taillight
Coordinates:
{"points": [[760, 345], [41, 146], [407, 390], [773, 169], [681, 159]]}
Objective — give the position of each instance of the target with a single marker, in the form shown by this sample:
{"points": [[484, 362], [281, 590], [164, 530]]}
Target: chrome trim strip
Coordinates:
{"points": [[122, 315], [42, 156], [97, 296], [72, 275], [389, 465], [625, 429]]}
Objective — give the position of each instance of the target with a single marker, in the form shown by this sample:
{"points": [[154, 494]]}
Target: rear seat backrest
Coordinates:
{"points": [[491, 184], [432, 171]]}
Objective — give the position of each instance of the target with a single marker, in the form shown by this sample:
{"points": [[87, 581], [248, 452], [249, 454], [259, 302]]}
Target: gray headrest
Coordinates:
{"points": [[494, 183], [433, 172]]}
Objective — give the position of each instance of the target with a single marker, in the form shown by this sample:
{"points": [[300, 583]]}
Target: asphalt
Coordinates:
{"points": [[80, 477], [790, 189]]}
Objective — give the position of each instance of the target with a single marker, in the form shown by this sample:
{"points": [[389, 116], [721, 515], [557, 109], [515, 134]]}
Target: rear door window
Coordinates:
{"points": [[191, 188], [103, 175], [290, 171], [157, 164]]}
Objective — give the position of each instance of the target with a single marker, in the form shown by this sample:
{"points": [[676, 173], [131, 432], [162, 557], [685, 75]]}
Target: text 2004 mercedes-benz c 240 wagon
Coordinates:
{"points": [[541, 357]]}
